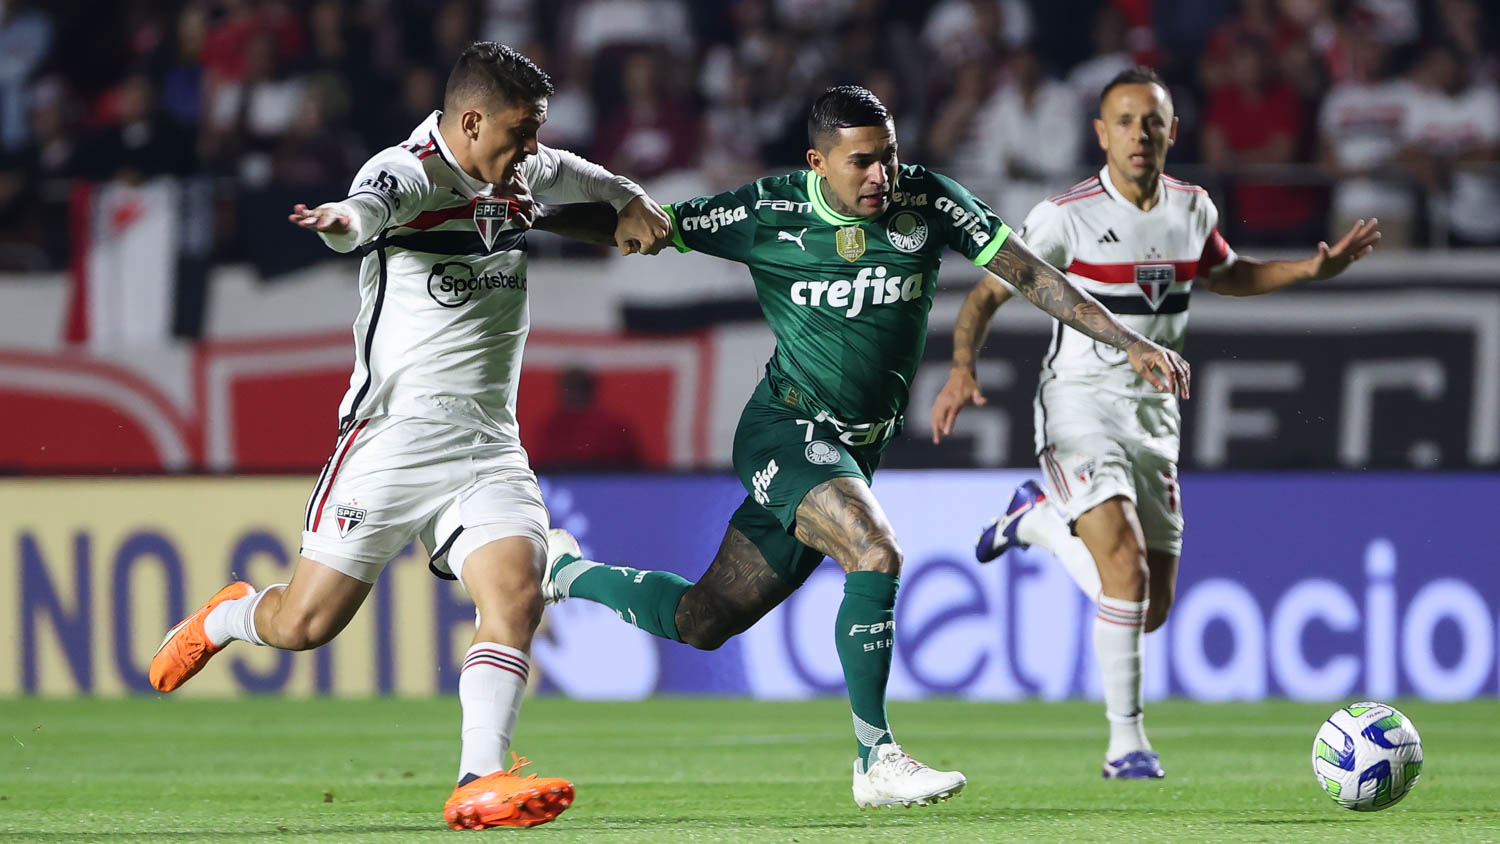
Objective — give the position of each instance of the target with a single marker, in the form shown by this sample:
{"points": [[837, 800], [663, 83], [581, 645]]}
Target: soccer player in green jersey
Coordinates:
{"points": [[844, 256]]}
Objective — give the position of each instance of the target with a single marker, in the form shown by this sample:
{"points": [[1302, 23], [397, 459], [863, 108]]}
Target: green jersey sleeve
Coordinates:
{"points": [[967, 224], [719, 225]]}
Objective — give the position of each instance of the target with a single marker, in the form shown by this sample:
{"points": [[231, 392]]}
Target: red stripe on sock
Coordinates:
{"points": [[1140, 622], [493, 654], [494, 664]]}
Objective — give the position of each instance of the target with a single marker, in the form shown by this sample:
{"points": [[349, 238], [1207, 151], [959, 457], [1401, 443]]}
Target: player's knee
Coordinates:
{"points": [[709, 634], [882, 555], [1125, 564]]}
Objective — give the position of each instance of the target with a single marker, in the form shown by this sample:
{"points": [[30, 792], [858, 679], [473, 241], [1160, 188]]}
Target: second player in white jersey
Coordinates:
{"points": [[1139, 264], [1139, 241]]}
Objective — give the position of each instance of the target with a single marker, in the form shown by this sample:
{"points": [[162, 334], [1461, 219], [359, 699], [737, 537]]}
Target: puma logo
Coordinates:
{"points": [[797, 238]]}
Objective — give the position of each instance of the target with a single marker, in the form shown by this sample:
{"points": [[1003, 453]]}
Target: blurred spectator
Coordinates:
{"points": [[1392, 22], [1110, 57], [650, 132], [601, 24], [1184, 27], [1258, 19], [1256, 119], [960, 31], [582, 433], [1462, 24], [247, 116], [1032, 130], [1451, 140], [25, 42], [1359, 138], [421, 93], [956, 143], [144, 142], [731, 136], [181, 90], [20, 228]]}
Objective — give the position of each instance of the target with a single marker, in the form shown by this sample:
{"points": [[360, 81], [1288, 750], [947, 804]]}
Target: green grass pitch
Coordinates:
{"points": [[709, 770]]}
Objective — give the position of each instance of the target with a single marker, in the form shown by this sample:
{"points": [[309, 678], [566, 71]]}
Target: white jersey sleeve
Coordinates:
{"points": [[388, 191], [1046, 232], [564, 177], [1217, 255]]}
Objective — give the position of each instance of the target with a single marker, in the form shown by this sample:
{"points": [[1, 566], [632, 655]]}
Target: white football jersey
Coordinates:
{"points": [[1139, 264], [443, 312]]}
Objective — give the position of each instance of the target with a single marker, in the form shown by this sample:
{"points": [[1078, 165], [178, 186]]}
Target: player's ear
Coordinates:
{"points": [[1172, 133], [815, 161], [468, 123], [1104, 138]]}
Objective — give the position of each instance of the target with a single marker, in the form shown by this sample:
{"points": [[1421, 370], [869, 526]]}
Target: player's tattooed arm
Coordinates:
{"points": [[591, 222], [974, 320], [1049, 289], [841, 518]]}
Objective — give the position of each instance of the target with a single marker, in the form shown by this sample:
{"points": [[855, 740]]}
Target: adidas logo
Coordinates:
{"points": [[1109, 237]]}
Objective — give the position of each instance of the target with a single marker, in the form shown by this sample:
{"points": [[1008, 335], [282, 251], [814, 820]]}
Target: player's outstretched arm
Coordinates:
{"points": [[969, 331], [329, 218], [592, 222], [1049, 289], [1249, 277]]}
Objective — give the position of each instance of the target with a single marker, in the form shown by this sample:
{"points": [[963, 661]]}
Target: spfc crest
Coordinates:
{"points": [[850, 242], [1155, 280], [489, 216], [349, 518]]}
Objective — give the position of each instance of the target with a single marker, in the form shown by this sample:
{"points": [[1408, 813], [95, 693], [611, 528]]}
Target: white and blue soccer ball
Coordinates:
{"points": [[1367, 756]]}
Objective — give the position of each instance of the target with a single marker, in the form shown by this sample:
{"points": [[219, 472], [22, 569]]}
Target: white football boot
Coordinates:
{"points": [[562, 549], [895, 778]]}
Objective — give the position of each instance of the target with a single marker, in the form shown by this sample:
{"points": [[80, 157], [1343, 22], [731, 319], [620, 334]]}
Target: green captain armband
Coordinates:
{"points": [[985, 255], [676, 232]]}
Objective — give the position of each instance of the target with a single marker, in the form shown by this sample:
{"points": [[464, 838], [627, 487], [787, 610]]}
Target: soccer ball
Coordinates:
{"points": [[1367, 756]]}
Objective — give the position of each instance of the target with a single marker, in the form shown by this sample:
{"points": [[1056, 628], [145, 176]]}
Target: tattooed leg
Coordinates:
{"points": [[736, 591], [841, 518]]}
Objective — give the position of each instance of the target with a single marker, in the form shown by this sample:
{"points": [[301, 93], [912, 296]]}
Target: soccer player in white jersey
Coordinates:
{"points": [[1138, 240], [428, 444]]}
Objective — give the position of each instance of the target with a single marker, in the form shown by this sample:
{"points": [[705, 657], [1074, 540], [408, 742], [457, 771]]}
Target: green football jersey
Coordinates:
{"points": [[846, 298]]}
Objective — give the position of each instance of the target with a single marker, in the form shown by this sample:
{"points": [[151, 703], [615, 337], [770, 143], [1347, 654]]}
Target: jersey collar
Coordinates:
{"points": [[473, 185], [1109, 188], [820, 206]]}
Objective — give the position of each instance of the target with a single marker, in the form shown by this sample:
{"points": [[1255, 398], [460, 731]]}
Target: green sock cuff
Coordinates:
{"points": [[875, 586]]}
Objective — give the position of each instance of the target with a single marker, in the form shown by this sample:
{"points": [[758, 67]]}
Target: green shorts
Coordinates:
{"points": [[780, 453]]}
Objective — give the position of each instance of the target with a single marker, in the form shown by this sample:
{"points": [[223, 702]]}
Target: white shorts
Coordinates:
{"points": [[1094, 445], [394, 479]]}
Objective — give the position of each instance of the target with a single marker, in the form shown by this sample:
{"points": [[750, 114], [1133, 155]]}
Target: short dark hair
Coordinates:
{"points": [[1138, 75], [494, 71], [842, 107]]}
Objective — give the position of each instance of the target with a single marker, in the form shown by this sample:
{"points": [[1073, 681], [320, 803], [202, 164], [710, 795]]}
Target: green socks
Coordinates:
{"points": [[864, 632], [647, 599]]}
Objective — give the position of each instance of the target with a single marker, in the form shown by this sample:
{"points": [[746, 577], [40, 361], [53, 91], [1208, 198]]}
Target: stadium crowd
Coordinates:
{"points": [[1299, 115]]}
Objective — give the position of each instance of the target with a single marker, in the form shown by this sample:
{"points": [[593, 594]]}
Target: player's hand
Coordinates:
{"points": [[642, 227], [523, 207], [1358, 243], [960, 392], [1164, 368], [324, 218]]}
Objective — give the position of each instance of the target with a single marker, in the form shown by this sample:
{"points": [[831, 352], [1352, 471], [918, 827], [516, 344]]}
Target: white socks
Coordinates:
{"points": [[235, 619], [1119, 629], [490, 688], [1044, 527]]}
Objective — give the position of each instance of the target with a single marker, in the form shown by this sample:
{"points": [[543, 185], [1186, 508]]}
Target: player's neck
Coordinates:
{"points": [[833, 201], [459, 146], [1142, 194]]}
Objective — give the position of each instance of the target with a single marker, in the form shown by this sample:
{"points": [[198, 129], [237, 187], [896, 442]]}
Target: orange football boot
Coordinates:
{"points": [[505, 798], [187, 648]]}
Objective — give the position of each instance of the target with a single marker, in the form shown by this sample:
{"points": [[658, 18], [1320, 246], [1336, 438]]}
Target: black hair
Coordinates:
{"points": [[842, 107], [491, 71], [1138, 75]]}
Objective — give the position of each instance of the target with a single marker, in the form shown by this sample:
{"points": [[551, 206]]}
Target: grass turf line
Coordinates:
{"points": [[153, 769]]}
